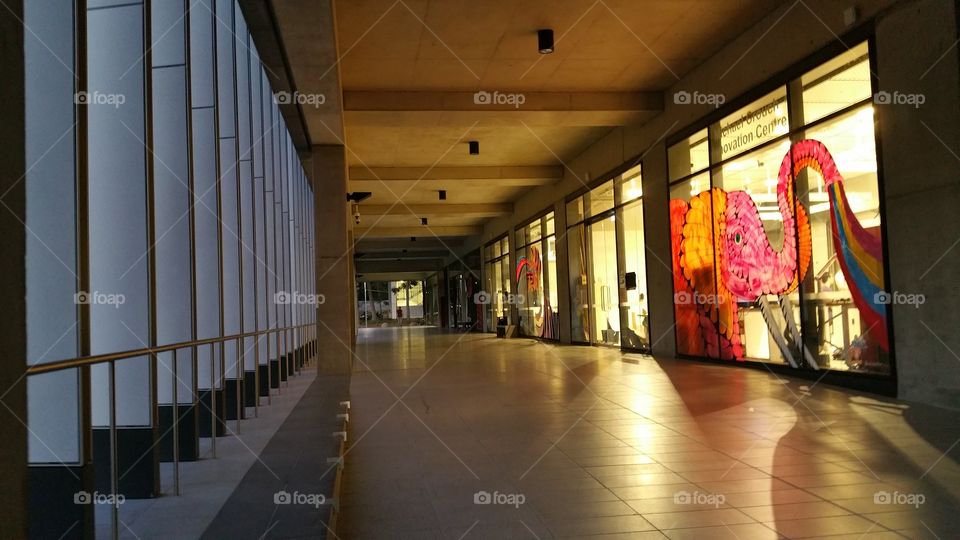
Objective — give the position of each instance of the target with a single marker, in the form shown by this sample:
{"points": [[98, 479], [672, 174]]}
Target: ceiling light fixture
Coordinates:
{"points": [[423, 221], [474, 147], [443, 194], [545, 40]]}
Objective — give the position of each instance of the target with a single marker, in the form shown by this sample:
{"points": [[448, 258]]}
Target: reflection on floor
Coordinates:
{"points": [[467, 436]]}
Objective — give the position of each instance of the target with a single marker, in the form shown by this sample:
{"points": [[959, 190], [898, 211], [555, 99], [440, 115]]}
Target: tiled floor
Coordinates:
{"points": [[590, 443]]}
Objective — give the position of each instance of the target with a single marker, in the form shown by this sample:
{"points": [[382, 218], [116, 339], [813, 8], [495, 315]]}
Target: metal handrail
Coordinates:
{"points": [[112, 358], [48, 367]]}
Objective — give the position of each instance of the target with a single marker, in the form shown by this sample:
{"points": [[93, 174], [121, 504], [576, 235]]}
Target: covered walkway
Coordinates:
{"points": [[568, 441]]}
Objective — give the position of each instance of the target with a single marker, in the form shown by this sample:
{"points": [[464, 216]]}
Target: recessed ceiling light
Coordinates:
{"points": [[545, 40]]}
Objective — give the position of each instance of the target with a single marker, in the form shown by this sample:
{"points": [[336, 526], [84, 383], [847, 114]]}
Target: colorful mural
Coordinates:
{"points": [[723, 258]]}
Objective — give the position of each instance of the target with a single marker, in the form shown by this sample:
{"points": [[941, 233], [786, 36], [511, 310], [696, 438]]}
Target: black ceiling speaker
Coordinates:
{"points": [[545, 41], [474, 148]]}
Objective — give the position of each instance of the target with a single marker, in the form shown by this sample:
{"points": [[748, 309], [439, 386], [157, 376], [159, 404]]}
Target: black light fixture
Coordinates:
{"points": [[423, 221], [443, 194], [474, 147], [545, 40], [413, 238]]}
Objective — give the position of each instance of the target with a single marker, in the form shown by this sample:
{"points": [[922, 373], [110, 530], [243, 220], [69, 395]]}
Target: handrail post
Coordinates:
{"points": [[213, 402], [114, 466], [176, 427], [239, 381]]}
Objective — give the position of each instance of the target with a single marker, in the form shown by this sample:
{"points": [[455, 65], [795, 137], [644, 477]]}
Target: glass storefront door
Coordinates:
{"points": [[604, 291]]}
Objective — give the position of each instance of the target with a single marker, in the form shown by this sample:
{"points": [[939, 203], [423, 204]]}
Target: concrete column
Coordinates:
{"points": [[334, 255], [563, 271], [13, 333], [656, 224], [920, 145]]}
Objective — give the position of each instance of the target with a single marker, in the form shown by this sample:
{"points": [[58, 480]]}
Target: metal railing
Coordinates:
{"points": [[303, 335]]}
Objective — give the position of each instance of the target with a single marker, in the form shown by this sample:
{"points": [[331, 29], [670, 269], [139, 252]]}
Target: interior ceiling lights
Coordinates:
{"points": [[545, 41]]}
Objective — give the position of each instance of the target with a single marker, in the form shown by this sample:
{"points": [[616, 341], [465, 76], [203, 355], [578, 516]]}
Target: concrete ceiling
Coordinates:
{"points": [[402, 95]]}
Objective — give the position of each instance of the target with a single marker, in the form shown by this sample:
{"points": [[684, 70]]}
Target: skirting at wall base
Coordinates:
{"points": [[188, 436], [264, 371], [137, 460], [249, 388], [275, 374], [230, 389], [55, 491], [204, 407]]}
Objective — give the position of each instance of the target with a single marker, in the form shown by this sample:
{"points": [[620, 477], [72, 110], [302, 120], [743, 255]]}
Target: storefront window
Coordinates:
{"points": [[497, 291], [535, 278], [607, 265], [777, 249]]}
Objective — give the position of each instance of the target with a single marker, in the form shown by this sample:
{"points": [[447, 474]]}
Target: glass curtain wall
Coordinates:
{"points": [[536, 277], [607, 264], [778, 253]]}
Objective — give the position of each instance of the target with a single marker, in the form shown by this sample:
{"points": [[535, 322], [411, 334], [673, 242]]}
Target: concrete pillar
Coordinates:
{"points": [[334, 255], [13, 333], [920, 145], [563, 271], [656, 223]]}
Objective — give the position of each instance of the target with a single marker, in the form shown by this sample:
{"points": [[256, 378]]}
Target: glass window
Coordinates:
{"points": [[603, 275], [689, 156], [757, 123], [601, 199], [529, 277], [630, 185], [778, 262], [636, 335], [551, 226], [846, 274], [839, 83], [575, 211]]}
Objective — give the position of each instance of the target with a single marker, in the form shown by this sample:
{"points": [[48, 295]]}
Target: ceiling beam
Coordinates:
{"points": [[484, 101], [421, 244], [421, 210], [537, 175], [406, 265], [402, 254], [421, 232]]}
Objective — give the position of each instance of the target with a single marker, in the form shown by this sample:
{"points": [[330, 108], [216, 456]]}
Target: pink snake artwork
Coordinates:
{"points": [[723, 231]]}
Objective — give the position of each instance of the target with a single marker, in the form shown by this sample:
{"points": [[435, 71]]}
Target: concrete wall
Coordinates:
{"points": [[919, 157]]}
